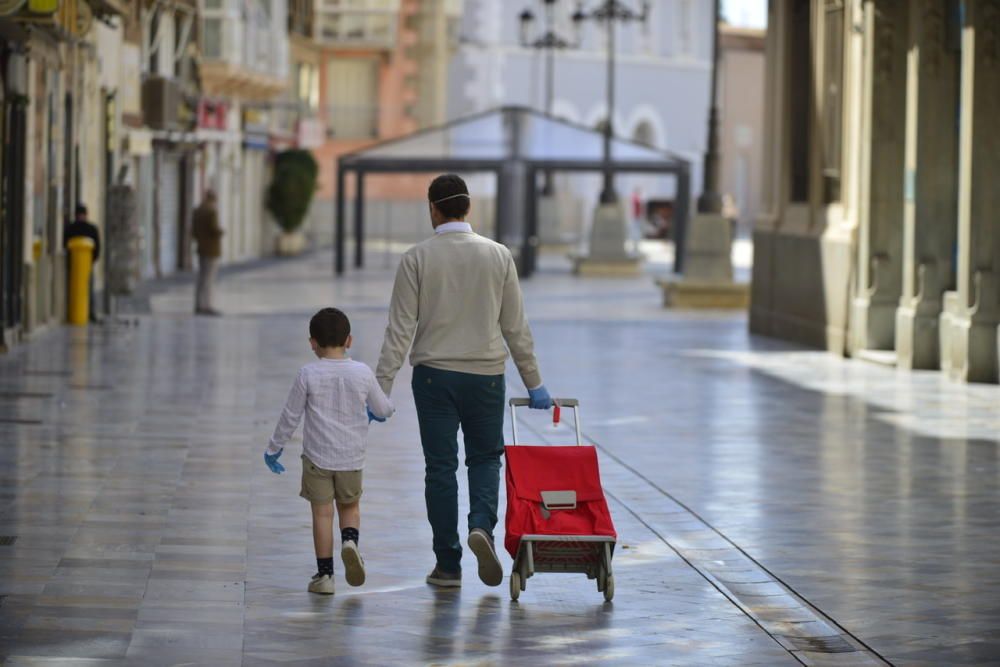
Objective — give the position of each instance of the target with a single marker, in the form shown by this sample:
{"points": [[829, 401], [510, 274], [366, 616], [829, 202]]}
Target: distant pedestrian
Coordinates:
{"points": [[208, 235], [82, 227], [339, 398], [458, 300]]}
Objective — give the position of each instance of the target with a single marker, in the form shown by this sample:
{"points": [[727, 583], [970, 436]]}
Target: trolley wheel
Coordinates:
{"points": [[515, 585], [609, 588]]}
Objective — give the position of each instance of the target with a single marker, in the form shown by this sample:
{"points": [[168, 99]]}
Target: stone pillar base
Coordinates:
{"points": [[708, 249], [694, 294], [974, 351], [947, 333], [968, 340], [917, 339], [628, 267], [872, 324], [610, 253]]}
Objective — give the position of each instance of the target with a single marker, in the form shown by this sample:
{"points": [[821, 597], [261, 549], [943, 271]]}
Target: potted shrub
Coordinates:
{"points": [[289, 195]]}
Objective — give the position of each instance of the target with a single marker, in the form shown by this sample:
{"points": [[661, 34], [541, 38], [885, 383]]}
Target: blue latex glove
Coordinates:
{"points": [[372, 417], [272, 462], [539, 398]]}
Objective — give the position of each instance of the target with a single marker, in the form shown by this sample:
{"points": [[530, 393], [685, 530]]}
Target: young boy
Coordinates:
{"points": [[339, 397]]}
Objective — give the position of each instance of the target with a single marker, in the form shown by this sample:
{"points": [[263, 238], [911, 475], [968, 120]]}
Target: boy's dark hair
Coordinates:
{"points": [[81, 209], [330, 328], [446, 195]]}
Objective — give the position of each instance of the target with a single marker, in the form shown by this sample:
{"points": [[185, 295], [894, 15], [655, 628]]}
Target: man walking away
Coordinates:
{"points": [[208, 235], [457, 298]]}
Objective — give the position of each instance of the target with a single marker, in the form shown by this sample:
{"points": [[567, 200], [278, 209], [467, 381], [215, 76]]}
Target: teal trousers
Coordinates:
{"points": [[446, 400]]}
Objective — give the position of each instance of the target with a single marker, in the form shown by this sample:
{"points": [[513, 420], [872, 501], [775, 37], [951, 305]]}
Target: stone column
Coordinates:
{"points": [[972, 349], [880, 233], [930, 183]]}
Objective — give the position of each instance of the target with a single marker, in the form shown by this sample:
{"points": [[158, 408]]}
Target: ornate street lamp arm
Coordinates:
{"points": [[551, 40], [615, 11]]}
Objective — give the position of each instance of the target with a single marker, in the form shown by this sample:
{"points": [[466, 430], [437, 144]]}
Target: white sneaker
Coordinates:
{"points": [[322, 584], [354, 565], [490, 570]]}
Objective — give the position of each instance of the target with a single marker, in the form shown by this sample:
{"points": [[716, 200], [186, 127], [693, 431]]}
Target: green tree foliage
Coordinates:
{"points": [[292, 188]]}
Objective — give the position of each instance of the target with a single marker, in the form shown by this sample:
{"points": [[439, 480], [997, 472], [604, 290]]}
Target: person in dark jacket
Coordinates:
{"points": [[82, 227], [208, 235]]}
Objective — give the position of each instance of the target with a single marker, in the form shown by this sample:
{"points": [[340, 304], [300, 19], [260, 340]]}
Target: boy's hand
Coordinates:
{"points": [[372, 417], [272, 462]]}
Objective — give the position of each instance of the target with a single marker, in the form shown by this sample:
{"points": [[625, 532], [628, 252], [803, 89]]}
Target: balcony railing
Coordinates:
{"points": [[369, 24]]}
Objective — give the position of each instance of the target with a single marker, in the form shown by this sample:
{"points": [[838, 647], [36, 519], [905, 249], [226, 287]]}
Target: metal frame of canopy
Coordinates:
{"points": [[508, 169]]}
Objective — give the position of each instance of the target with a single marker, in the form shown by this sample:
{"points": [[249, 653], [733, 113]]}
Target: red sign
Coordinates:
{"points": [[212, 115]]}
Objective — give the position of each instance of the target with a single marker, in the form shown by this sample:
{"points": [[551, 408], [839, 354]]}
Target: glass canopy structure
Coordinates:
{"points": [[516, 144]]}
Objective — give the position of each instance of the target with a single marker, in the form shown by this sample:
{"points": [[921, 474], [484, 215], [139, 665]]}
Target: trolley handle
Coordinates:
{"points": [[558, 402], [562, 402]]}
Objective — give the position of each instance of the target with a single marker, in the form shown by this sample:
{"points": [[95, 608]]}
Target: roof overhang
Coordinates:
{"points": [[414, 152]]}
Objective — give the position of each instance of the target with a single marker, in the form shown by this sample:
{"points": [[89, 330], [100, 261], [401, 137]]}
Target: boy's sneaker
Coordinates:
{"points": [[354, 566], [322, 584], [481, 544], [439, 577]]}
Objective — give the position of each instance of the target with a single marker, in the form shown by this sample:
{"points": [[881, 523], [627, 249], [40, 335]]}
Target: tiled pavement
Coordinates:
{"points": [[860, 505]]}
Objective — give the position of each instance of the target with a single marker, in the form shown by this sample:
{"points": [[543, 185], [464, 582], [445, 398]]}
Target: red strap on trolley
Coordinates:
{"points": [[555, 414]]}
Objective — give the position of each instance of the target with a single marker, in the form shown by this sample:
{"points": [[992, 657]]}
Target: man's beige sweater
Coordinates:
{"points": [[457, 298]]}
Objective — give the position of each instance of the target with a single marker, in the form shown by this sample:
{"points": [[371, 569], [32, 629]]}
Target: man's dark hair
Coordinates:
{"points": [[330, 328], [81, 210], [446, 195]]}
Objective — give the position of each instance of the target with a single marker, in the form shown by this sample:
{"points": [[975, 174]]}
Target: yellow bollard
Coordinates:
{"points": [[81, 259]]}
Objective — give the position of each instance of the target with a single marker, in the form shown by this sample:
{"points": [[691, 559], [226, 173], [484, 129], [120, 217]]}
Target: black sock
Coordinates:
{"points": [[348, 534], [325, 566]]}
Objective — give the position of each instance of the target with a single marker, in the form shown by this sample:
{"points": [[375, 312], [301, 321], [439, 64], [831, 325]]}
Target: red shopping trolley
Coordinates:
{"points": [[557, 516]]}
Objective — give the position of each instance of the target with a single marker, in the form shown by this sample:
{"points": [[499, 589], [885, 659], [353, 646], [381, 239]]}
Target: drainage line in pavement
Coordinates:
{"points": [[697, 569], [718, 532]]}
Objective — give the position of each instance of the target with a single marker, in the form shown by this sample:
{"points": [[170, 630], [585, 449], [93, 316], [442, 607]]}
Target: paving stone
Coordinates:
{"points": [[150, 533]]}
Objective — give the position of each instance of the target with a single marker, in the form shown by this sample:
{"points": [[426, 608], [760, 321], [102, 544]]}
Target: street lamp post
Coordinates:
{"points": [[550, 41], [610, 11], [710, 200]]}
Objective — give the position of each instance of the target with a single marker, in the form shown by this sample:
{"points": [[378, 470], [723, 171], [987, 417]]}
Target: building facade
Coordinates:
{"points": [[165, 97], [59, 122], [879, 236], [663, 69], [243, 69], [363, 72]]}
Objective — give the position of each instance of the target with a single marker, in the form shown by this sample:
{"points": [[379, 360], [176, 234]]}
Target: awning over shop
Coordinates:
{"points": [[515, 143]]}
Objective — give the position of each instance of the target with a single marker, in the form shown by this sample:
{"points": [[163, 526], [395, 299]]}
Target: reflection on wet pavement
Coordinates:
{"points": [[774, 505]]}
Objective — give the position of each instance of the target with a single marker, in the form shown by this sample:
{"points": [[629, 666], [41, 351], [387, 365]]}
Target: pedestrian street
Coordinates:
{"points": [[773, 505]]}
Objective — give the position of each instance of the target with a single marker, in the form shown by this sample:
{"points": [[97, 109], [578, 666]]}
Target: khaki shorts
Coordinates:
{"points": [[321, 487]]}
